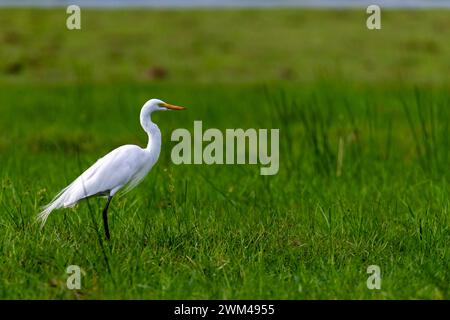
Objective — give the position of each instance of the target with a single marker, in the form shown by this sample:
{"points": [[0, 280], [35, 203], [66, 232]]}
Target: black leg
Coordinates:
{"points": [[105, 218]]}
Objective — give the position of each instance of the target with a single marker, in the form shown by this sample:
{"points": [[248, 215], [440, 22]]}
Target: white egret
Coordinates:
{"points": [[125, 166]]}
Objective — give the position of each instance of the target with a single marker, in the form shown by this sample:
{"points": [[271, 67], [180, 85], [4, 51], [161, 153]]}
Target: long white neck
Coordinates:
{"points": [[153, 132]]}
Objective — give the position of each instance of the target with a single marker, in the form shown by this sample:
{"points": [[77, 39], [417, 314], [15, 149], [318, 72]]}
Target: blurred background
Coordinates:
{"points": [[177, 41], [256, 3]]}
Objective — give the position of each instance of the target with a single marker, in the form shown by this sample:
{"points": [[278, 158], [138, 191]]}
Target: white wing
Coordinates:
{"points": [[126, 165]]}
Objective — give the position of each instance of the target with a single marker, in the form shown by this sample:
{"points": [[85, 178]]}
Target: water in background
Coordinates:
{"points": [[230, 3]]}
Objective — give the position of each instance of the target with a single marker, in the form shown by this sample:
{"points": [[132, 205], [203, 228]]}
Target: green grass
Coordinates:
{"points": [[364, 154], [225, 231]]}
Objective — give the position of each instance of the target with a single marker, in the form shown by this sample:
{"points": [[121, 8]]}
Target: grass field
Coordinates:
{"points": [[224, 46], [364, 155]]}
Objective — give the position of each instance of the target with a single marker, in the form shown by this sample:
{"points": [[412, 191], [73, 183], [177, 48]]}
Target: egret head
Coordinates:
{"points": [[159, 105]]}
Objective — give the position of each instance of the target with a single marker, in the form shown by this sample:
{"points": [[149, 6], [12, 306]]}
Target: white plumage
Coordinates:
{"points": [[121, 169]]}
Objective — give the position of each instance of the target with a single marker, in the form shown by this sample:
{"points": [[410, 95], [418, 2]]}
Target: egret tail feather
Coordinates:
{"points": [[59, 201]]}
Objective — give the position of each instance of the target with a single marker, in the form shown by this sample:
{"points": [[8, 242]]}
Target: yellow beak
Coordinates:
{"points": [[171, 107]]}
